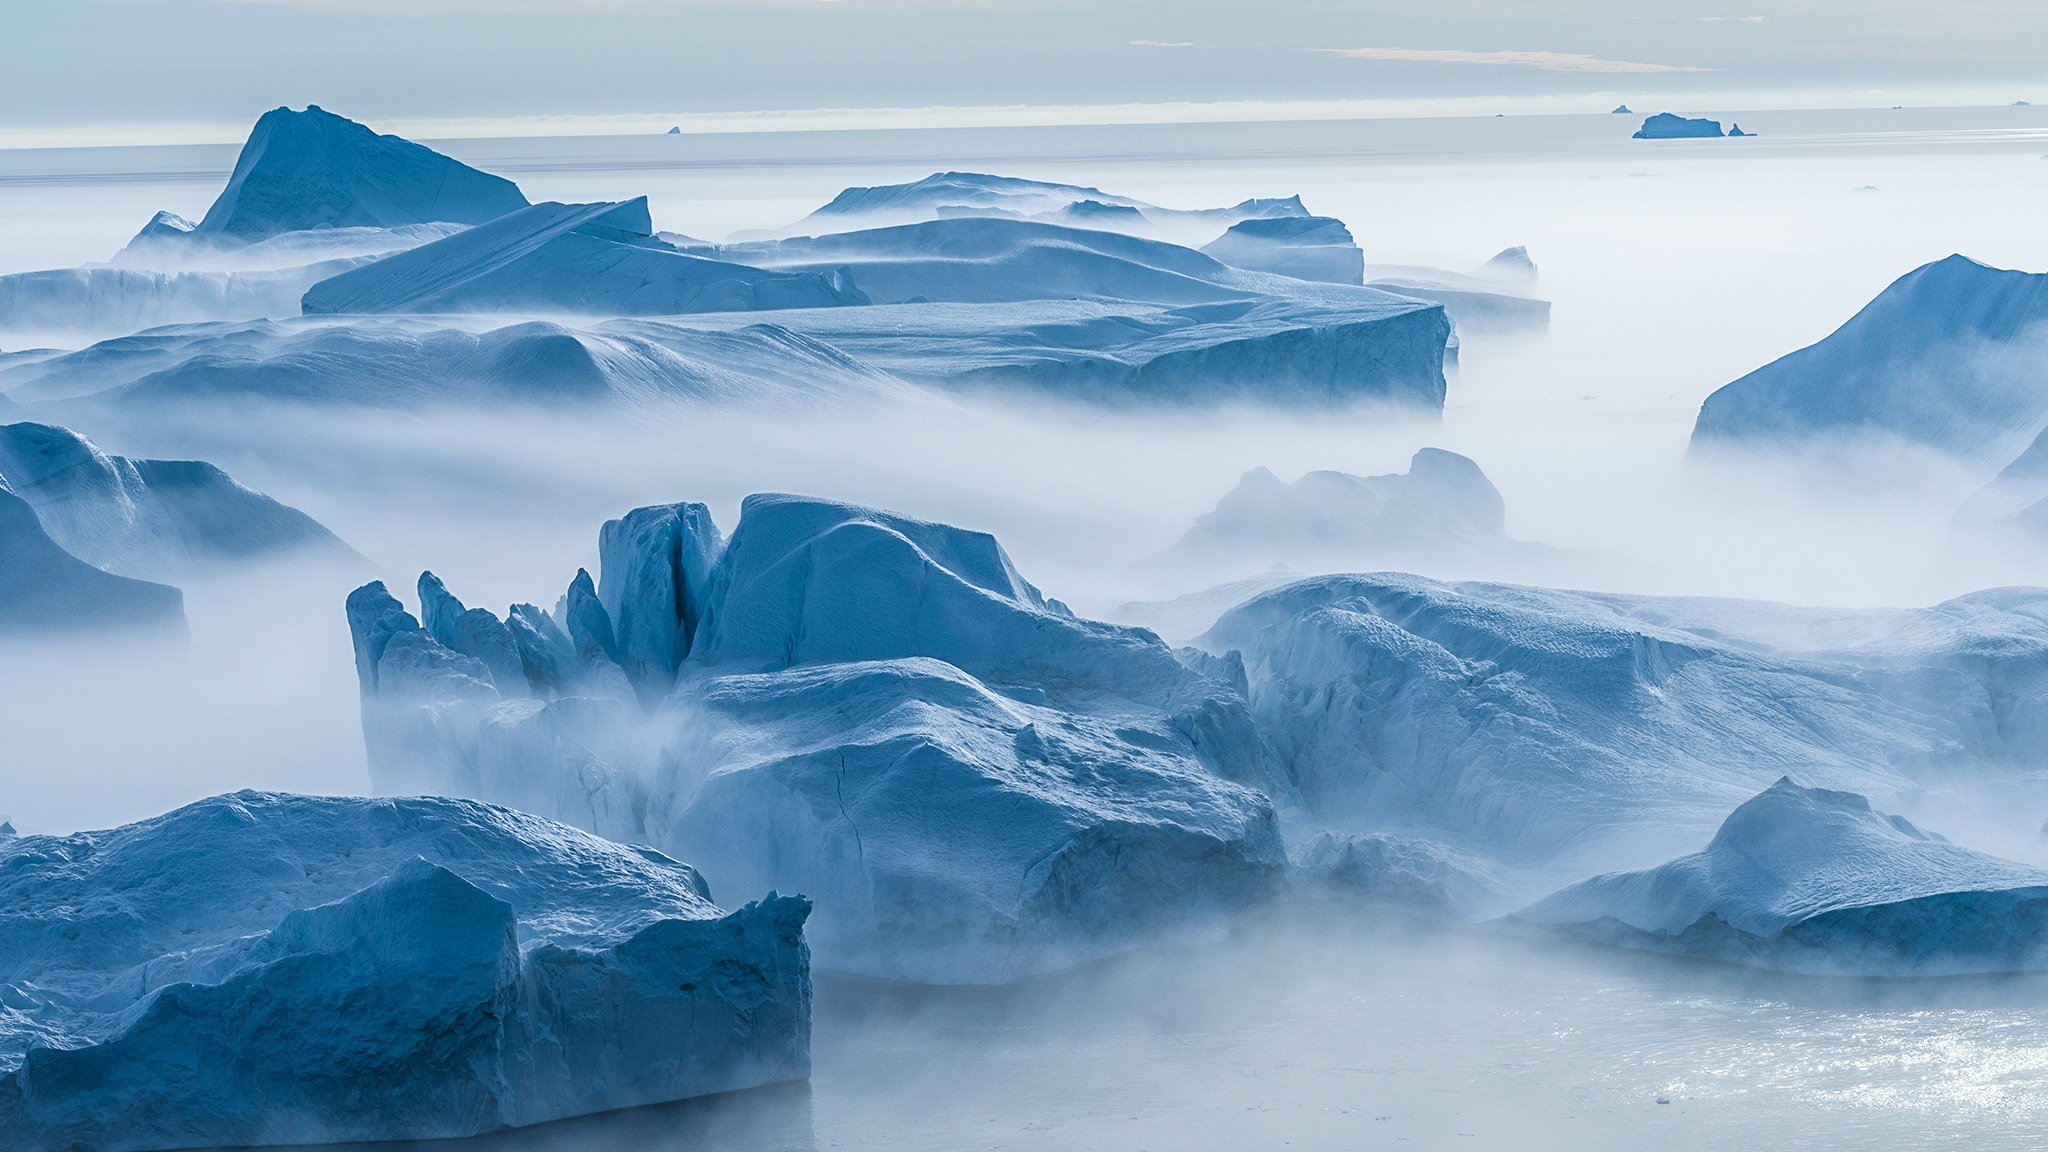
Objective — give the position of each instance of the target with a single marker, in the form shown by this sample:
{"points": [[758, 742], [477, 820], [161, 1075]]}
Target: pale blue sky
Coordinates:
{"points": [[65, 62]]}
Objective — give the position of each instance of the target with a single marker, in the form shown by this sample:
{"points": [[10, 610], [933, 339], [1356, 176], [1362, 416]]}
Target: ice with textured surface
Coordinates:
{"points": [[1819, 881], [261, 968]]}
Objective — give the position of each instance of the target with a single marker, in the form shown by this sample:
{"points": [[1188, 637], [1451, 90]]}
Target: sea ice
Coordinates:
{"points": [[944, 195], [261, 968], [1818, 881]]}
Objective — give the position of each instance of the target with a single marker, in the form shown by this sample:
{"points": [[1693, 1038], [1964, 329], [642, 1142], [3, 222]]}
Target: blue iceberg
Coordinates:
{"points": [[877, 712], [149, 517], [1304, 247], [261, 968], [1949, 356], [1816, 881], [1667, 126], [588, 259]]}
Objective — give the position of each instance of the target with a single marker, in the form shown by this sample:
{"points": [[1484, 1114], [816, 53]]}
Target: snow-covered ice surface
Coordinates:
{"points": [[1818, 881], [1570, 732], [1305, 247], [581, 259], [1949, 356], [876, 711], [263, 968], [148, 518]]}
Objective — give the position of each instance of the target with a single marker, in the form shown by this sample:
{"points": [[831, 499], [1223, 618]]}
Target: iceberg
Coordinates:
{"points": [[149, 517], [1948, 357], [876, 711], [51, 591], [406, 363], [1667, 126], [1510, 264], [1561, 732], [1811, 880], [1282, 351], [952, 194], [261, 969], [588, 259], [302, 170], [1442, 500], [1478, 304], [1304, 247]]}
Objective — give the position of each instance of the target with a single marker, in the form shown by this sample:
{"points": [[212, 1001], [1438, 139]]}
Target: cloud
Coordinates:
{"points": [[1163, 43], [1548, 61]]}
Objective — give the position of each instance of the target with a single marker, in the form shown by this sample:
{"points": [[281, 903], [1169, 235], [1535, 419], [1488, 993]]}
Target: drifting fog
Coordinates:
{"points": [[1672, 273]]}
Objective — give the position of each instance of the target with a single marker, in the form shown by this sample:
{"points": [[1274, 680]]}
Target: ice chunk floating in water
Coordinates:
{"points": [[1819, 881], [262, 968]]}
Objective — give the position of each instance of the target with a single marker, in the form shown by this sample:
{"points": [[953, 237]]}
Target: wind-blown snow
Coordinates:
{"points": [[262, 968], [587, 259], [1813, 880], [872, 710]]}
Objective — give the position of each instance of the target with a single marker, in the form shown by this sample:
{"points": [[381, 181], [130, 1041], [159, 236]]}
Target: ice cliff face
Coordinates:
{"points": [[586, 259], [1304, 247], [270, 969], [48, 590], [1949, 356], [148, 517], [1556, 730], [1818, 881], [1668, 126], [301, 170], [872, 710]]}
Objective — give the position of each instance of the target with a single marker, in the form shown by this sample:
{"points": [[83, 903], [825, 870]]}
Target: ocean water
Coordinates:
{"points": [[1335, 1029]]}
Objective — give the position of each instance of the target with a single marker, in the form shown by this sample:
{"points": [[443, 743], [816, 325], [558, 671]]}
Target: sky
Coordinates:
{"points": [[77, 66]]}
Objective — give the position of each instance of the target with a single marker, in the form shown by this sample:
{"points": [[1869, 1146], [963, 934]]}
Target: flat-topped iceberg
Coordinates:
{"points": [[101, 301], [1950, 356], [262, 968], [586, 259], [1304, 247], [149, 517], [1670, 126], [872, 710], [1817, 881]]}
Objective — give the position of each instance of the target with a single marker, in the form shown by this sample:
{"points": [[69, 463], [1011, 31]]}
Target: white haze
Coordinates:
{"points": [[1674, 269]]}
